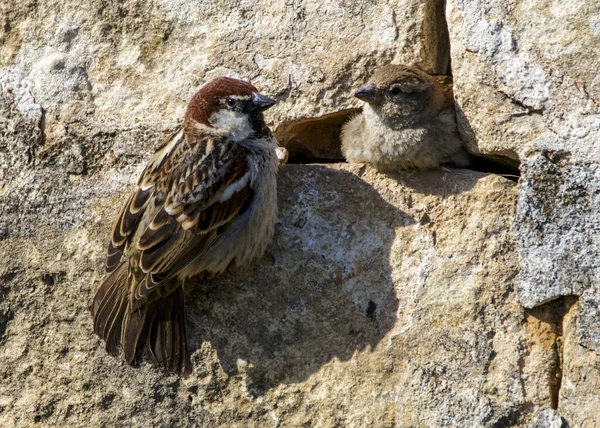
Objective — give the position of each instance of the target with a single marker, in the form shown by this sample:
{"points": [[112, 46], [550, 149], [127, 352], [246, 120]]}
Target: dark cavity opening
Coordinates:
{"points": [[317, 140], [314, 140]]}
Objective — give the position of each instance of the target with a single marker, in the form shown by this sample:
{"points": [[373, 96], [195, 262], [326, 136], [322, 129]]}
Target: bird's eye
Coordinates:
{"points": [[396, 90], [230, 102]]}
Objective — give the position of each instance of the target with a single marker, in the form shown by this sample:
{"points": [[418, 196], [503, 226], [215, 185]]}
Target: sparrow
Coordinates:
{"points": [[408, 122], [206, 198]]}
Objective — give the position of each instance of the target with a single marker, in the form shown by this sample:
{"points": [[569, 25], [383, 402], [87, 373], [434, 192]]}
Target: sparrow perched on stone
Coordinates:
{"points": [[207, 197], [407, 123]]}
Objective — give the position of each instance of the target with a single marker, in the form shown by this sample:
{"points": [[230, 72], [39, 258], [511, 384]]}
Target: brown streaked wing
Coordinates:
{"points": [[133, 211], [134, 208], [163, 161], [189, 221]]}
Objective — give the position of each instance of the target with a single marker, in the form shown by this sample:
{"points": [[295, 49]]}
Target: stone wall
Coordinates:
{"points": [[437, 298]]}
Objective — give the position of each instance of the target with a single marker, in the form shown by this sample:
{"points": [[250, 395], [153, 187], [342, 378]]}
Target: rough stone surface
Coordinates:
{"points": [[448, 298], [557, 227], [527, 87], [138, 62], [400, 316], [548, 418], [579, 400], [525, 75]]}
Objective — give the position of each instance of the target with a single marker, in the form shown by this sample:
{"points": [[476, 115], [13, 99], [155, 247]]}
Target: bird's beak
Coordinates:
{"points": [[368, 94], [261, 102]]}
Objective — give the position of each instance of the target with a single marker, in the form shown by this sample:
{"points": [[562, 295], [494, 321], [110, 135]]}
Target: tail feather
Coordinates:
{"points": [[107, 308], [158, 326], [112, 331], [167, 338], [132, 329]]}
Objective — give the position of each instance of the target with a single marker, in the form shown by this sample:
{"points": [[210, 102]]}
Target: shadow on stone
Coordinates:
{"points": [[314, 140], [323, 292]]}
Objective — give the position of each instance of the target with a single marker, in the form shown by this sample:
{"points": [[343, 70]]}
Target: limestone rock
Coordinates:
{"points": [[579, 400], [383, 300], [557, 226], [548, 418], [138, 62], [441, 298], [524, 84], [528, 88]]}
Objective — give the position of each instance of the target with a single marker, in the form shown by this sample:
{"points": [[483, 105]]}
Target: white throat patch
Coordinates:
{"points": [[370, 115], [232, 123]]}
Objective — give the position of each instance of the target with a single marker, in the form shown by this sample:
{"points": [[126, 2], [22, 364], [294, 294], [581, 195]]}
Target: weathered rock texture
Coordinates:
{"points": [[132, 62], [526, 86], [557, 226], [525, 75], [449, 298], [383, 300]]}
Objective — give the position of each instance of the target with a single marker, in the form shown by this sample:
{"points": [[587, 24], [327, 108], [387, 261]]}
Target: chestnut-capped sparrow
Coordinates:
{"points": [[207, 197], [408, 122]]}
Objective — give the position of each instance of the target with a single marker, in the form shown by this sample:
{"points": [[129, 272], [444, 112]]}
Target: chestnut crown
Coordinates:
{"points": [[225, 102]]}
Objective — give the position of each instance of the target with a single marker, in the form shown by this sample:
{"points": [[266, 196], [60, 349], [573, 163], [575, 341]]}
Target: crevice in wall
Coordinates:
{"points": [[556, 380], [42, 126], [437, 38], [497, 164], [314, 140], [317, 140], [6, 315], [552, 314]]}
